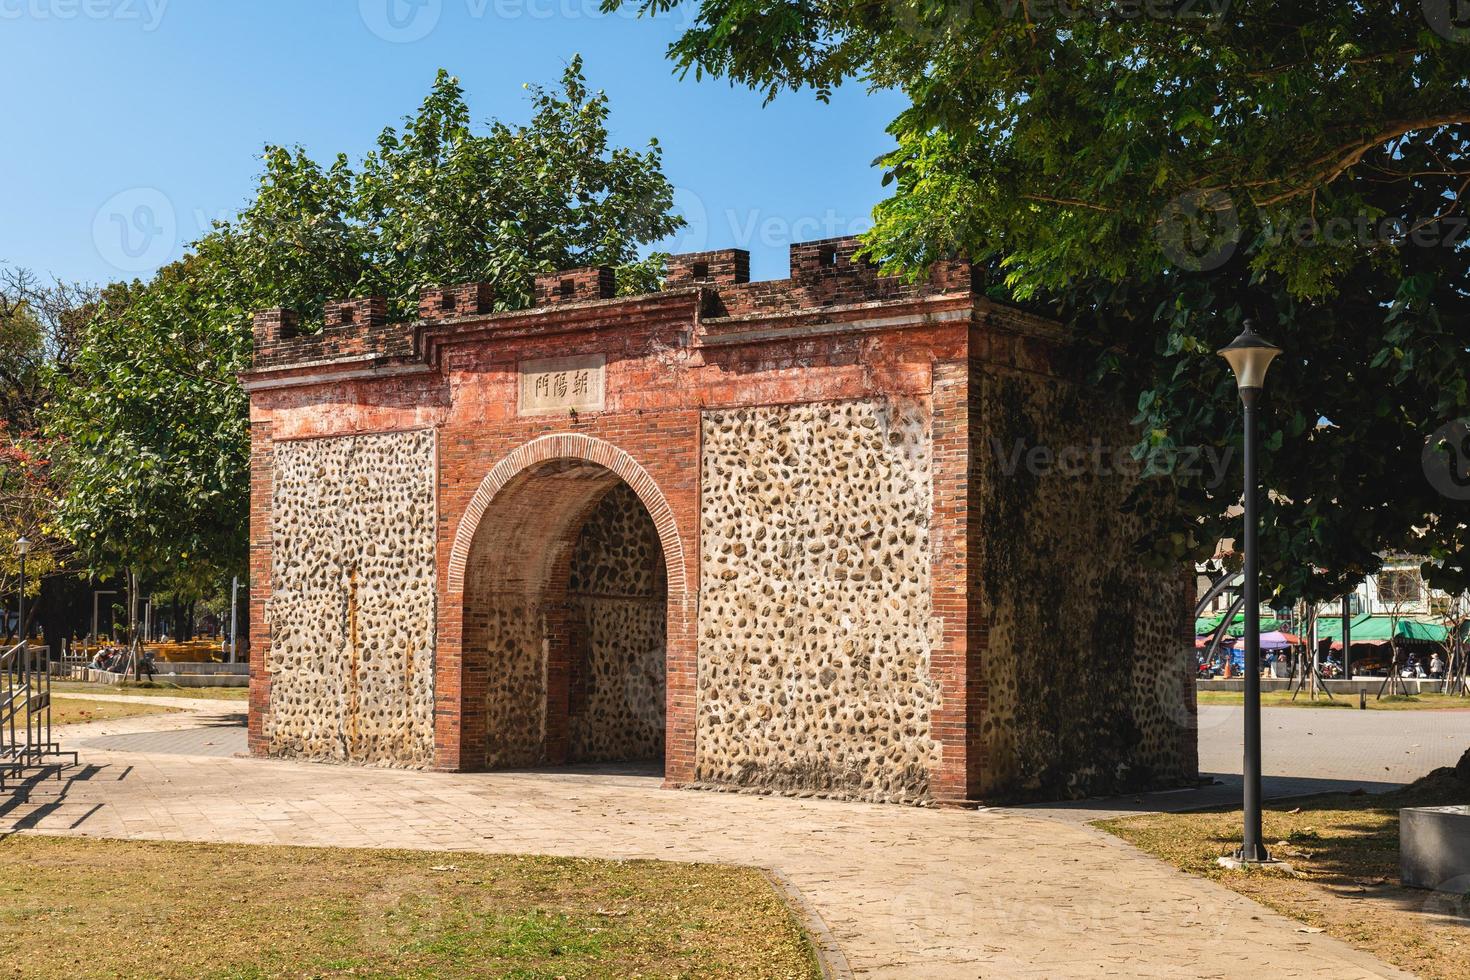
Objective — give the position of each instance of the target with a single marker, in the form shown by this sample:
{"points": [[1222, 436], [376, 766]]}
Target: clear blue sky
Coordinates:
{"points": [[130, 124]]}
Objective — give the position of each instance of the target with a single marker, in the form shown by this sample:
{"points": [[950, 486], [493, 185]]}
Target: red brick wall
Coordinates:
{"points": [[261, 459]]}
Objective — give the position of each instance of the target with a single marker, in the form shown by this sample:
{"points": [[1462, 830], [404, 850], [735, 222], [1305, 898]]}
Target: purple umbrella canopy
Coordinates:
{"points": [[1274, 640]]}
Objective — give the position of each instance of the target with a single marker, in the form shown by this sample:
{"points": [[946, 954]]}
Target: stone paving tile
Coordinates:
{"points": [[905, 892]]}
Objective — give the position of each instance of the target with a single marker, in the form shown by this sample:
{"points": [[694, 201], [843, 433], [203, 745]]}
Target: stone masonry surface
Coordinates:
{"points": [[814, 616], [618, 595], [1092, 695], [352, 611]]}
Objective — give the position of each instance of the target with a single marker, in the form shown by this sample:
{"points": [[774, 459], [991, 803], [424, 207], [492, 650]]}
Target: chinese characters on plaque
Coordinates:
{"points": [[553, 385]]}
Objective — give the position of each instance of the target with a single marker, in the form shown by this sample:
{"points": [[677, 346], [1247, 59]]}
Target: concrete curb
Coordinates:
{"points": [[830, 958]]}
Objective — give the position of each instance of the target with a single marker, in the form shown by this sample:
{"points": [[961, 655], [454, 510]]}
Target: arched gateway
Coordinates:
{"points": [[825, 535], [568, 568]]}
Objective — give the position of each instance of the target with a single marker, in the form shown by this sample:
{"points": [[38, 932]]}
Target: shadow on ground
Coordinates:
{"points": [[1221, 789]]}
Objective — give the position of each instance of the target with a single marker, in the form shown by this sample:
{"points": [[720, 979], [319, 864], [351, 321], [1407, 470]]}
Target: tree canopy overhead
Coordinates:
{"points": [[1152, 174], [1100, 117]]}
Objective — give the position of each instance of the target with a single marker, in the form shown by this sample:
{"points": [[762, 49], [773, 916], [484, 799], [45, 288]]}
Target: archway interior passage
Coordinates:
{"points": [[565, 620]]}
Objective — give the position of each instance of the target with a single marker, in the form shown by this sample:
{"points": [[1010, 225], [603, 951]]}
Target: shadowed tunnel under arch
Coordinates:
{"points": [[565, 618]]}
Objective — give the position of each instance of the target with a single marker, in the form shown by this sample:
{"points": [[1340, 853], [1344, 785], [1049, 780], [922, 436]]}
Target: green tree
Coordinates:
{"points": [[1153, 174], [153, 430], [27, 499], [150, 420], [38, 328], [40, 324], [440, 203]]}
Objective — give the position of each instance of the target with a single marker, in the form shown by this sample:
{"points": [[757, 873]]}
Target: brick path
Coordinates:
{"points": [[905, 892]]}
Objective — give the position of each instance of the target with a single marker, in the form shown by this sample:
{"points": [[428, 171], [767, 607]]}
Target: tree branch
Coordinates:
{"points": [[1070, 202], [1331, 165]]}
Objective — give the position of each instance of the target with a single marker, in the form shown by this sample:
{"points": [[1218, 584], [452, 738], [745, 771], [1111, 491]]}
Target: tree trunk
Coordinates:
{"points": [[135, 638]]}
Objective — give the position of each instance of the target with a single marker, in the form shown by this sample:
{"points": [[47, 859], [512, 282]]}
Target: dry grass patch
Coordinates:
{"points": [[1343, 850], [78, 907], [1389, 702], [79, 711], [156, 689]]}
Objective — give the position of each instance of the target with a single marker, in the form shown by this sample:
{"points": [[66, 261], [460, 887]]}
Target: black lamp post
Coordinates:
{"points": [[1249, 357], [22, 548]]}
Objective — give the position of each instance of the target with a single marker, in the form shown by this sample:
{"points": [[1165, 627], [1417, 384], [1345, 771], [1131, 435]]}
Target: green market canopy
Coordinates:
{"points": [[1380, 629], [1207, 625]]}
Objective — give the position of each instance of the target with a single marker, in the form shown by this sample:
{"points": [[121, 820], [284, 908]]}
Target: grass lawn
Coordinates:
{"points": [[153, 689], [76, 711], [1394, 702], [1344, 853], [80, 907]]}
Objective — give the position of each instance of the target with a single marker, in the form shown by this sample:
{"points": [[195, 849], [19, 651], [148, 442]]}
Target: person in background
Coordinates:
{"points": [[1436, 665]]}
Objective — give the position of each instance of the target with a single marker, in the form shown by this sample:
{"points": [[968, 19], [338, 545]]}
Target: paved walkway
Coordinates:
{"points": [[1304, 751], [905, 892], [1386, 747]]}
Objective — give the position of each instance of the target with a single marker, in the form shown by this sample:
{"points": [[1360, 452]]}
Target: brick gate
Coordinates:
{"points": [[462, 528]]}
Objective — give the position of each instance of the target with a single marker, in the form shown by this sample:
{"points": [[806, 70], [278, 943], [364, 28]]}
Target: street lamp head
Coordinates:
{"points": [[22, 546], [1249, 357]]}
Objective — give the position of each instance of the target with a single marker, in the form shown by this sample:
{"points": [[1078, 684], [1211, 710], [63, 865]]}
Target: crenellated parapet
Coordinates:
{"points": [[353, 329], [824, 275], [575, 285], [830, 273], [446, 302], [721, 267]]}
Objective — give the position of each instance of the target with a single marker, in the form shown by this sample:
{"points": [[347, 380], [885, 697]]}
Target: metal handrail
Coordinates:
{"points": [[25, 693]]}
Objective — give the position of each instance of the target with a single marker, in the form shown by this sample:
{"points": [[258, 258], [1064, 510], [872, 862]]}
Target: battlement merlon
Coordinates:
{"points": [[710, 287]]}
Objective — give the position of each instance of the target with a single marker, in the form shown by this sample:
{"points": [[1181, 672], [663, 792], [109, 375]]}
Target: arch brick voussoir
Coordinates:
{"points": [[570, 446]]}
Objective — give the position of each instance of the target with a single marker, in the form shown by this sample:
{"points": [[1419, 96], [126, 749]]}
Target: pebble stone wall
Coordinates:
{"points": [[618, 599], [352, 606], [1087, 666], [513, 632], [814, 618]]}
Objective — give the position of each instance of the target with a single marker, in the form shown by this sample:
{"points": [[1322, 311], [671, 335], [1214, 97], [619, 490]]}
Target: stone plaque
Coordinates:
{"points": [[557, 385]]}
